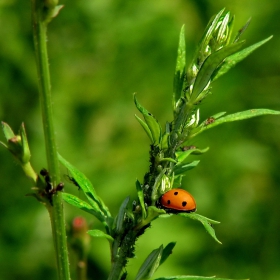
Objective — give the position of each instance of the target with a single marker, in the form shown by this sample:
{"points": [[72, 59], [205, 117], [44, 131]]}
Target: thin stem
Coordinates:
{"points": [[56, 210], [29, 171]]}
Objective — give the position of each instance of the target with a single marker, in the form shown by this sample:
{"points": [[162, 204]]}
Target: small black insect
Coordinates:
{"points": [[73, 181], [49, 189]]}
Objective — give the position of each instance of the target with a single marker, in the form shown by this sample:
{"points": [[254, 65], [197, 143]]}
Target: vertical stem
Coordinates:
{"points": [[56, 211]]}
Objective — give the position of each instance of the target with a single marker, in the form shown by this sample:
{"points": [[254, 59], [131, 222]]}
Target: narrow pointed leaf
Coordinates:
{"points": [[79, 177], [180, 68], [165, 141], [206, 222], [218, 115], [233, 59], [8, 132], [210, 65], [100, 233], [182, 168], [150, 265], [84, 183], [168, 159], [77, 202], [242, 30], [211, 26], [181, 156], [189, 277], [167, 251], [121, 215], [145, 127], [25, 147], [236, 117], [223, 26], [141, 198], [151, 122]]}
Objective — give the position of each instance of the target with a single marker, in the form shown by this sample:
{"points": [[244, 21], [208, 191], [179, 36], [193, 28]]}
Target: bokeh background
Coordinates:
{"points": [[100, 53]]}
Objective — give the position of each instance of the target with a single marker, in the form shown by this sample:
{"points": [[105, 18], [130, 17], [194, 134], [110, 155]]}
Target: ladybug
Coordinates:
{"points": [[176, 201]]}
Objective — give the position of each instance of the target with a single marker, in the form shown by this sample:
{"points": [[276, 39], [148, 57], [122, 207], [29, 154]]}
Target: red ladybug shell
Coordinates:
{"points": [[177, 200]]}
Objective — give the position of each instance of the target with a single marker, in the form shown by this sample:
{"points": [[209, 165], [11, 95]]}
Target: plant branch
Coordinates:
{"points": [[56, 210]]}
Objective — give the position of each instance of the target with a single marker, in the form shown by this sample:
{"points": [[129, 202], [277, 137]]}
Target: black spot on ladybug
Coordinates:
{"points": [[184, 203], [175, 193], [168, 201]]}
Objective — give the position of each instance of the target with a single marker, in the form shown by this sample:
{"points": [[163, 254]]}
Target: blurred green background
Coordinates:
{"points": [[100, 53]]}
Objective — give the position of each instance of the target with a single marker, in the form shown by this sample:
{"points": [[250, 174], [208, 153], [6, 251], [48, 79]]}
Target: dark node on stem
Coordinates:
{"points": [[49, 189], [44, 172], [198, 102], [53, 191], [186, 89]]}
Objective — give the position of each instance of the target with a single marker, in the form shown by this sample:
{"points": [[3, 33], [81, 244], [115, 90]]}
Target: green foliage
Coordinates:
{"points": [[154, 260], [97, 206], [151, 125], [80, 112], [99, 233], [17, 144], [192, 278], [168, 163], [231, 118]]}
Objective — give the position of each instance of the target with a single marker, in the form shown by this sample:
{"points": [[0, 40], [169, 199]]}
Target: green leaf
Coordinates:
{"points": [[223, 25], [99, 233], [177, 181], [8, 132], [168, 159], [233, 59], [208, 33], [167, 251], [141, 199], [77, 202], [210, 65], [26, 155], [121, 214], [150, 265], [151, 122], [218, 115], [242, 30], [84, 183], [187, 277], [146, 128], [206, 222], [235, 117], [152, 213], [181, 156], [182, 168], [165, 141], [180, 68]]}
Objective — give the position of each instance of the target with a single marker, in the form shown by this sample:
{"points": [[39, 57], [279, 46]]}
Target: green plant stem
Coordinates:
{"points": [[56, 210], [29, 171], [120, 253]]}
